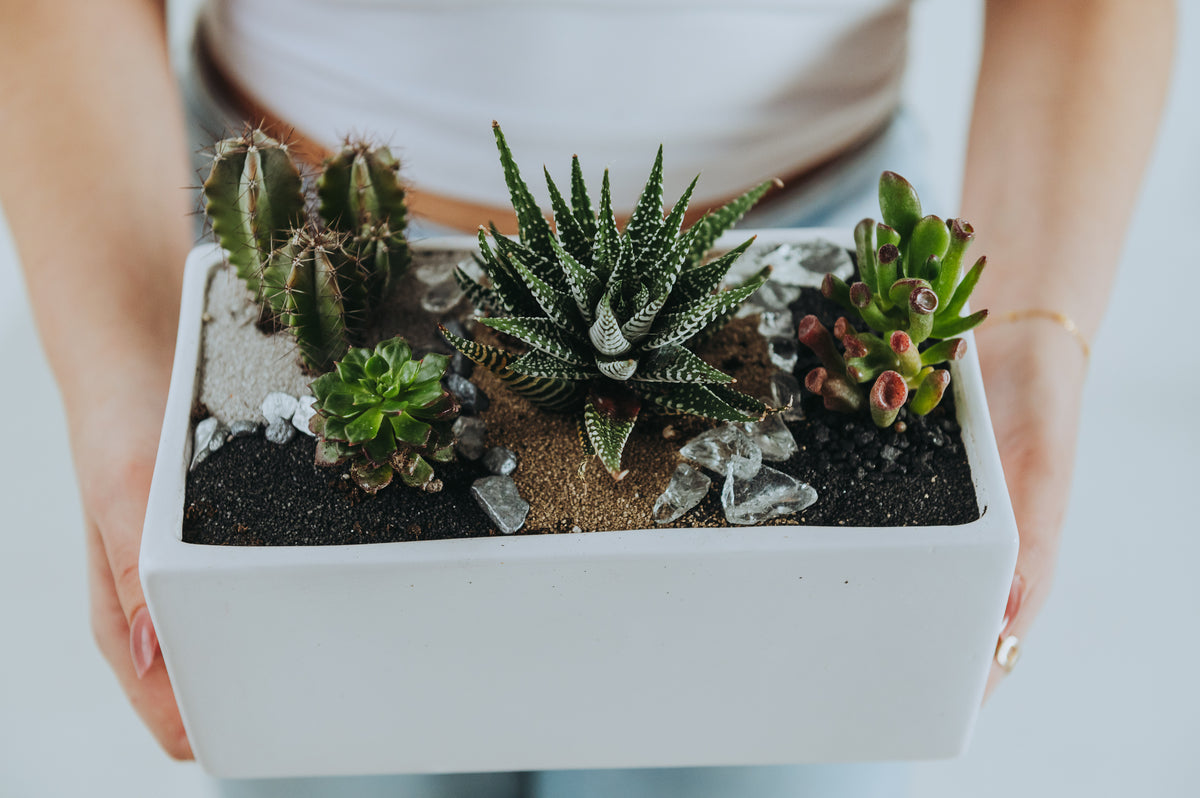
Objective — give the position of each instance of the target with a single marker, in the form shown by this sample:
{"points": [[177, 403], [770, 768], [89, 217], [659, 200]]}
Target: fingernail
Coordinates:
{"points": [[143, 643], [1014, 602]]}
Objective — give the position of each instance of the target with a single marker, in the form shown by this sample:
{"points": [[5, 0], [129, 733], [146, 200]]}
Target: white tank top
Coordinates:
{"points": [[742, 90]]}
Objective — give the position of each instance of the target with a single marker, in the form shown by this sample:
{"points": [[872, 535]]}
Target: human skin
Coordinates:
{"points": [[92, 184]]}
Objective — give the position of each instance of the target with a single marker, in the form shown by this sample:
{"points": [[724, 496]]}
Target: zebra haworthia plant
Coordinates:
{"points": [[607, 314], [912, 296], [321, 278]]}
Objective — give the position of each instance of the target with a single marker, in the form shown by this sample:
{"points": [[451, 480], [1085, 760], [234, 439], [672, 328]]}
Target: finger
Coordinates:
{"points": [[150, 695]]}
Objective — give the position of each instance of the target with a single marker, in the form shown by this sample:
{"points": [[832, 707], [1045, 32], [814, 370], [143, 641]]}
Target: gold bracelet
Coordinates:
{"points": [[1061, 319]]}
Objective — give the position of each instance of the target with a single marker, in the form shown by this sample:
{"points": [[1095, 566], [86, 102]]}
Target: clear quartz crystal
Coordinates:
{"points": [[772, 437], [210, 435], [785, 390], [500, 461], [784, 352], [807, 263], [469, 434], [687, 487], [723, 448], [769, 494], [500, 499], [304, 413], [442, 296], [434, 272], [774, 296], [776, 324]]}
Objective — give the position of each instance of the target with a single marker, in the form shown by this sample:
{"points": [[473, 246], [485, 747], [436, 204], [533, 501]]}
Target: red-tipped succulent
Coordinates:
{"points": [[911, 300]]}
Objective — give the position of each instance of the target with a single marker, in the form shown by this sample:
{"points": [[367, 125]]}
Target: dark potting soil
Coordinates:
{"points": [[252, 492]]}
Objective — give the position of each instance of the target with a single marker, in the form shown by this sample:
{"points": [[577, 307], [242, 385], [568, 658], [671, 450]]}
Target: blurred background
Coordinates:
{"points": [[1105, 701]]}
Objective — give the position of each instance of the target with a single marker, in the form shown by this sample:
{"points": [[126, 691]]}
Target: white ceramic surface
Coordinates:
{"points": [[651, 647]]}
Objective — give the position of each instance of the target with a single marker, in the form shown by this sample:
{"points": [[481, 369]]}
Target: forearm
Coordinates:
{"points": [[1066, 110], [93, 184]]}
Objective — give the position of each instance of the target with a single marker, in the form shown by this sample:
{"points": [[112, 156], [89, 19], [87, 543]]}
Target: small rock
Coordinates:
{"points": [[774, 296], [243, 427], [785, 391], [304, 413], [769, 494], [209, 436], [889, 453], [687, 487], [776, 324], [500, 461], [468, 394], [807, 263], [784, 353], [500, 499], [772, 437], [460, 364], [442, 296], [724, 447], [469, 434], [280, 431], [278, 405]]}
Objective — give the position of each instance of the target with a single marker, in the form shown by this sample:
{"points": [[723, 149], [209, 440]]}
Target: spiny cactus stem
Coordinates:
{"points": [[950, 349], [929, 394], [888, 395], [813, 334], [907, 357]]}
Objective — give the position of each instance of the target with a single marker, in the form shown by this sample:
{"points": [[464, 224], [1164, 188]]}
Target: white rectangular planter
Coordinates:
{"points": [[659, 647]]}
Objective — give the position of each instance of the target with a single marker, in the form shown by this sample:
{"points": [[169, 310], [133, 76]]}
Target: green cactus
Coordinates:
{"points": [[385, 413], [911, 295], [322, 279], [254, 200], [608, 314]]}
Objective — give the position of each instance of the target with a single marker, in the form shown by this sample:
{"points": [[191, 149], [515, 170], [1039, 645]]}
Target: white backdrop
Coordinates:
{"points": [[1105, 700]]}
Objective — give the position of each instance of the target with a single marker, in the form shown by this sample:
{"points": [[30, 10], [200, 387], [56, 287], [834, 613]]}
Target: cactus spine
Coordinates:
{"points": [[324, 277]]}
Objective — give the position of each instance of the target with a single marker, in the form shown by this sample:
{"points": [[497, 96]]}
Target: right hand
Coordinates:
{"points": [[114, 444]]}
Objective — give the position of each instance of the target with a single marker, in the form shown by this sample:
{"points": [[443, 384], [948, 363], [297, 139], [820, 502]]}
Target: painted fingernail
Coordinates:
{"points": [[1014, 601], [143, 642]]}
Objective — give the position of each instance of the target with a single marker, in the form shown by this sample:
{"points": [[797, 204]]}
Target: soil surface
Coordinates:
{"points": [[252, 492]]}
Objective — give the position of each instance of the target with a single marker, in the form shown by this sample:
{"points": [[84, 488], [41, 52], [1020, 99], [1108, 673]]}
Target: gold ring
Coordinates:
{"points": [[1008, 651]]}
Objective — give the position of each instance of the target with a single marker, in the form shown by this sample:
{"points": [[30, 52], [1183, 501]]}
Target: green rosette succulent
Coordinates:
{"points": [[911, 297], [385, 413], [608, 315]]}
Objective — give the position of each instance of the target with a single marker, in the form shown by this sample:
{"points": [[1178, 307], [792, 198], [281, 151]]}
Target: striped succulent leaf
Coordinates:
{"points": [[608, 313]]}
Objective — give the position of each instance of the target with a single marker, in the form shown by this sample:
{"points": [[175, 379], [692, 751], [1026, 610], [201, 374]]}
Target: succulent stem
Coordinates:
{"points": [[888, 395]]}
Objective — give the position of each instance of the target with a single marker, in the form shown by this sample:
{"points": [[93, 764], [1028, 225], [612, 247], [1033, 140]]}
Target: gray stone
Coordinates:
{"points": [[772, 437], [461, 364], [304, 413], [243, 427], [468, 394], [785, 391], [209, 435], [777, 324], [279, 406], [784, 353], [769, 494], [280, 431], [500, 461], [441, 297], [687, 487], [807, 263], [469, 434], [722, 448], [500, 499], [774, 296]]}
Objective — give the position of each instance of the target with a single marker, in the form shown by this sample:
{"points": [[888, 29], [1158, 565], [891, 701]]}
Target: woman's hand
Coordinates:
{"points": [[114, 444], [1033, 370]]}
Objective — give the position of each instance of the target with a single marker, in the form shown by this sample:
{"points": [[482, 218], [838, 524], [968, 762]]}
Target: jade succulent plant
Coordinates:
{"points": [[385, 413], [607, 314], [322, 277], [911, 297]]}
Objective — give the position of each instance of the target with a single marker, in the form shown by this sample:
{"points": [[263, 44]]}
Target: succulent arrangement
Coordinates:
{"points": [[911, 296], [608, 314], [321, 276], [385, 413]]}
